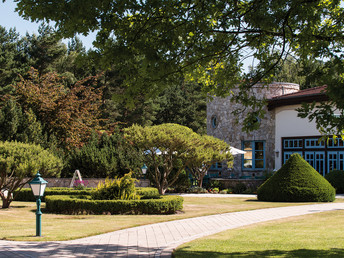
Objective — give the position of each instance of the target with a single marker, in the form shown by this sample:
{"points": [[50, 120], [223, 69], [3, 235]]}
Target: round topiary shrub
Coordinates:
{"points": [[336, 179], [296, 181]]}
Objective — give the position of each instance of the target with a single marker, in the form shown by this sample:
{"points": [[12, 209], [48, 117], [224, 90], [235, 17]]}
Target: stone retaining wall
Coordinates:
{"points": [[231, 183]]}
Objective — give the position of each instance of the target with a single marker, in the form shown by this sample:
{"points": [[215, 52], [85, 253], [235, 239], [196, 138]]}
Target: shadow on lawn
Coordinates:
{"points": [[334, 252]]}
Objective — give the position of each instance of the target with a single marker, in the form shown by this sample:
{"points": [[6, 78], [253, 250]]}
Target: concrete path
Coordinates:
{"points": [[156, 240]]}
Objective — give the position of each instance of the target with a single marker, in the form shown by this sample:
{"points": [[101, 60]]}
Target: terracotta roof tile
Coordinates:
{"points": [[306, 92]]}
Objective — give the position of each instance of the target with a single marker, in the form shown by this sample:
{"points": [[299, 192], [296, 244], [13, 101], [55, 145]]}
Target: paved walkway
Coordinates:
{"points": [[156, 240]]}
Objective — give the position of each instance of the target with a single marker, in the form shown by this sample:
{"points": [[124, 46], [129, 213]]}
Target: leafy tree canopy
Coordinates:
{"points": [[19, 162], [166, 147], [207, 151], [170, 148], [69, 113], [154, 42]]}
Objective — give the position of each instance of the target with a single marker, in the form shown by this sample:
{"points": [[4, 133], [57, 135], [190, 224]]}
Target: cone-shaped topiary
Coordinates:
{"points": [[296, 181]]}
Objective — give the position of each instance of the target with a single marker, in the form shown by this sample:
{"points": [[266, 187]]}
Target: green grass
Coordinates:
{"points": [[18, 222], [315, 235]]}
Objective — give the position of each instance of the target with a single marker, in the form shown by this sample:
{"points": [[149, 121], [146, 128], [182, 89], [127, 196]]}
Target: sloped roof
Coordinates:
{"points": [[317, 94]]}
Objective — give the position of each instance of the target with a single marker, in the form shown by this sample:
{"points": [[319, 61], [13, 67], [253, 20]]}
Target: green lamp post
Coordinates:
{"points": [[144, 170], [38, 185]]}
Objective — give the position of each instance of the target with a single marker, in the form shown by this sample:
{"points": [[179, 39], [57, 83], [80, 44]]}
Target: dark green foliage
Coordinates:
{"points": [[239, 188], [117, 189], [19, 125], [68, 205], [336, 179], [216, 184], [46, 49], [296, 181], [104, 156], [13, 59], [307, 73], [25, 194], [183, 104], [183, 183]]}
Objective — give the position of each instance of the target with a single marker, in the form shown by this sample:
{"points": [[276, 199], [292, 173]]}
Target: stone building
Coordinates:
{"points": [[264, 147]]}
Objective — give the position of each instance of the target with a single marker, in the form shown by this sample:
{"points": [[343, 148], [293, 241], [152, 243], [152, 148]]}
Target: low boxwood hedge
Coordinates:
{"points": [[148, 192], [25, 194], [66, 204]]}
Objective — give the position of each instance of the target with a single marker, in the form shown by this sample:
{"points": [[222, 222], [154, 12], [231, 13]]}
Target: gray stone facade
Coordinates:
{"points": [[228, 130]]}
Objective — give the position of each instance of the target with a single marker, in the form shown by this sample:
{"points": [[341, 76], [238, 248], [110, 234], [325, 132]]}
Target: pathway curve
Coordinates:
{"points": [[156, 240]]}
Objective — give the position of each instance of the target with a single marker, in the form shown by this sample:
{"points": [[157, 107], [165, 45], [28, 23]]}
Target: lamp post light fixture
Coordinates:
{"points": [[144, 170], [38, 185]]}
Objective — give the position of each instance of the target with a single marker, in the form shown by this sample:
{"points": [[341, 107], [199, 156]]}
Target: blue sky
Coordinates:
{"points": [[10, 19]]}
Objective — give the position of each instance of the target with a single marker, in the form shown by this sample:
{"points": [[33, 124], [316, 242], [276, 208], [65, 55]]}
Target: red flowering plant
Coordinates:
{"points": [[80, 184]]}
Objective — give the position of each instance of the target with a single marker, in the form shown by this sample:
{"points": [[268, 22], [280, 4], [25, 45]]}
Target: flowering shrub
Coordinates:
{"points": [[80, 184]]}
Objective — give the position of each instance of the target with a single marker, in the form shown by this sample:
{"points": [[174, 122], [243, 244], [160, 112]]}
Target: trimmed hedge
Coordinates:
{"points": [[296, 181], [336, 179], [148, 192], [64, 204], [25, 194]]}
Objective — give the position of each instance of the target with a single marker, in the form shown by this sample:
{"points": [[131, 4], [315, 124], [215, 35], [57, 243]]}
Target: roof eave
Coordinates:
{"points": [[288, 101]]}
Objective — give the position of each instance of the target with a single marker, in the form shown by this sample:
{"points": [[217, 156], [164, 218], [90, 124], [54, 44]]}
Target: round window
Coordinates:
{"points": [[214, 121]]}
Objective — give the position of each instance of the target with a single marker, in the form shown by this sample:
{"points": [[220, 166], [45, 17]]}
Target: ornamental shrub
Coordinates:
{"points": [[117, 189], [336, 179], [296, 181], [75, 205]]}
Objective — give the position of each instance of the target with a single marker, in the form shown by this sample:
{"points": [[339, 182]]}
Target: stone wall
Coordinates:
{"points": [[231, 183], [228, 130]]}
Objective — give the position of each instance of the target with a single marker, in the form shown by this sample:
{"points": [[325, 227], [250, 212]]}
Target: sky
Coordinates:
{"points": [[10, 19]]}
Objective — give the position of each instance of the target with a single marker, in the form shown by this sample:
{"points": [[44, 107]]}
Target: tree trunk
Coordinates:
{"points": [[161, 190], [200, 182], [6, 201]]}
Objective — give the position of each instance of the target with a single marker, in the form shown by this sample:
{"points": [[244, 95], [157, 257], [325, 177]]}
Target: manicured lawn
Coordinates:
{"points": [[315, 235], [18, 222]]}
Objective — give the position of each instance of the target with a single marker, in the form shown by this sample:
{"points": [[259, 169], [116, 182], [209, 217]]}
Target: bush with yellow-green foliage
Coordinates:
{"points": [[296, 181], [116, 189]]}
